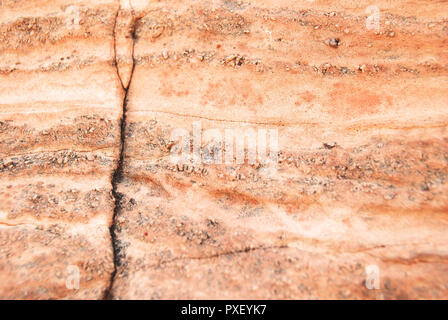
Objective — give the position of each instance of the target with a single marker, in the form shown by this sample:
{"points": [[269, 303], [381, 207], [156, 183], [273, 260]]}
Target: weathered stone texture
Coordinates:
{"points": [[60, 136], [363, 149]]}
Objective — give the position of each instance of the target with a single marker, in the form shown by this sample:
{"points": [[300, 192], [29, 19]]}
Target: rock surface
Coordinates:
{"points": [[361, 179], [60, 141]]}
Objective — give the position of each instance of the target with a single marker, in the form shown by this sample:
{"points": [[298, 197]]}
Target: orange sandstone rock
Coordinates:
{"points": [[95, 97], [361, 175], [60, 137]]}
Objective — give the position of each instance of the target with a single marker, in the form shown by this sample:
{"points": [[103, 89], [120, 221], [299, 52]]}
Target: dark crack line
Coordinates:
{"points": [[217, 255], [115, 62], [118, 173]]}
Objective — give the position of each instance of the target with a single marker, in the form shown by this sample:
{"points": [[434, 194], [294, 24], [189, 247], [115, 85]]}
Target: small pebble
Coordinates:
{"points": [[333, 42]]}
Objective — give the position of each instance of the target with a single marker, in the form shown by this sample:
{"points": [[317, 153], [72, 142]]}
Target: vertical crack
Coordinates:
{"points": [[115, 62], [118, 173]]}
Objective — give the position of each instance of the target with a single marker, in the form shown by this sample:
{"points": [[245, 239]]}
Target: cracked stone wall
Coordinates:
{"points": [[92, 90]]}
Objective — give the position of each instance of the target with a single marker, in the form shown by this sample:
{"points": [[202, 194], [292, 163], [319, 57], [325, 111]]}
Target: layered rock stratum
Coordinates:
{"points": [[92, 92]]}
